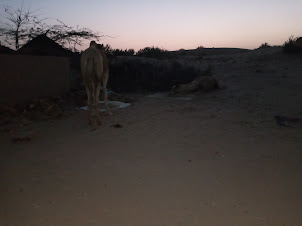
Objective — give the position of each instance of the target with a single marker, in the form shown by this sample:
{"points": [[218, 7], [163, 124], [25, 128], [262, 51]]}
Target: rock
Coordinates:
{"points": [[117, 125]]}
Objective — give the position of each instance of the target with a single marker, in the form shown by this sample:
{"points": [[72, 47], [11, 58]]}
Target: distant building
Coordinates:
{"points": [[44, 46]]}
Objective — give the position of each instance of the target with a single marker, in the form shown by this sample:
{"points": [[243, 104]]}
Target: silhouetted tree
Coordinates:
{"points": [[66, 35], [21, 25], [15, 29]]}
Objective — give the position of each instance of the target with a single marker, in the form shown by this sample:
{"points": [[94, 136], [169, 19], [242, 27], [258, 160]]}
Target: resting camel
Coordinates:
{"points": [[201, 83], [95, 70]]}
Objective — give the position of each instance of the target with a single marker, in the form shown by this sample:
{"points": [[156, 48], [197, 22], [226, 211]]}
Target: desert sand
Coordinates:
{"points": [[219, 159]]}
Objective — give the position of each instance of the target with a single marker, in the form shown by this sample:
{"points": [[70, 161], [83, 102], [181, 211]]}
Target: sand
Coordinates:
{"points": [[218, 159]]}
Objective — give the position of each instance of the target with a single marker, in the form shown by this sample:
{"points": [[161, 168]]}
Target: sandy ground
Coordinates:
{"points": [[219, 159]]}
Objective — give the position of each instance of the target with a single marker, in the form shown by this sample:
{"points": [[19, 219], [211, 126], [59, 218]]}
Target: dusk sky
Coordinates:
{"points": [[176, 24]]}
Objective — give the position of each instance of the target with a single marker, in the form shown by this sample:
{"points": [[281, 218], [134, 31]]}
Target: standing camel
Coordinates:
{"points": [[95, 70]]}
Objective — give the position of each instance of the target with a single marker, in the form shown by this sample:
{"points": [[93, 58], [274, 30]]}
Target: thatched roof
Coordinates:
{"points": [[6, 50], [43, 46]]}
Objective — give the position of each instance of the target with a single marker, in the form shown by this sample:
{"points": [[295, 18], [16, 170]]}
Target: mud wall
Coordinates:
{"points": [[24, 78]]}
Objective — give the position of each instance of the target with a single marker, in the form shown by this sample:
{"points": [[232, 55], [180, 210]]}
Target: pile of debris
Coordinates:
{"points": [[18, 120], [52, 107], [45, 108]]}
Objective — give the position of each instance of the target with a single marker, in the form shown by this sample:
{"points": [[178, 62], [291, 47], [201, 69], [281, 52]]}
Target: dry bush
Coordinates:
{"points": [[138, 74], [153, 52], [264, 46], [292, 45]]}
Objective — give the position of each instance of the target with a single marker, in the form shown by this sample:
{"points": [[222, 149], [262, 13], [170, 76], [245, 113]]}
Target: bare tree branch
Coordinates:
{"points": [[22, 25]]}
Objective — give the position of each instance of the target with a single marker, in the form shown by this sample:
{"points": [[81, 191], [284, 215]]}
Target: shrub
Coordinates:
{"points": [[264, 46], [153, 52], [290, 46], [126, 52], [181, 52], [110, 52]]}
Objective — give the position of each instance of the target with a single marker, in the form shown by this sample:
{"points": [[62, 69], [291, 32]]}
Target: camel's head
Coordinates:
{"points": [[97, 46], [93, 43]]}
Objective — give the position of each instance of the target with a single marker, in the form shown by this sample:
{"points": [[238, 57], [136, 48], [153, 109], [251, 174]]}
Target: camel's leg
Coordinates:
{"points": [[105, 80], [97, 102], [89, 103]]}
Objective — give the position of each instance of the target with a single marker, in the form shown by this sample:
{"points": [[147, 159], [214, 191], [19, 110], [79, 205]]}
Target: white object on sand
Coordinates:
{"points": [[115, 104], [166, 95]]}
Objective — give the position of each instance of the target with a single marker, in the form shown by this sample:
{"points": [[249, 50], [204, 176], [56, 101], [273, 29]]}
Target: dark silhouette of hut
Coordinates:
{"points": [[44, 46], [6, 50]]}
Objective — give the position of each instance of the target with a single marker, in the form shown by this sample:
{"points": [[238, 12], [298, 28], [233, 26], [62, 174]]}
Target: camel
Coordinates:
{"points": [[201, 83], [95, 70]]}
